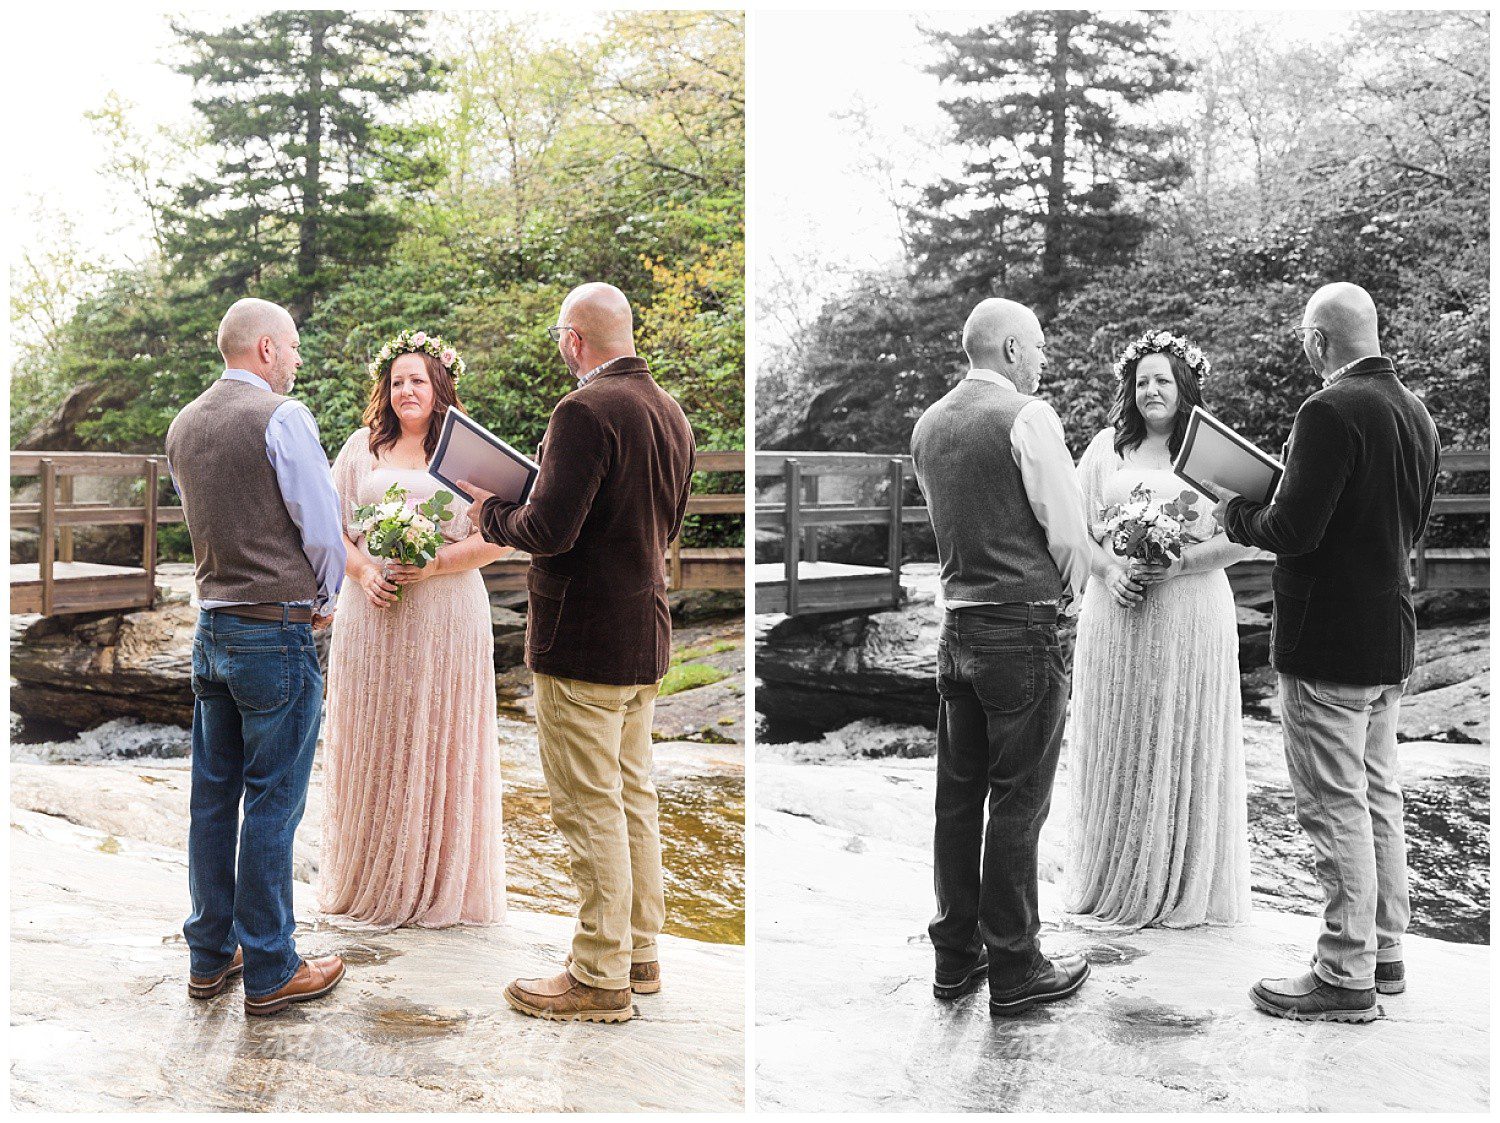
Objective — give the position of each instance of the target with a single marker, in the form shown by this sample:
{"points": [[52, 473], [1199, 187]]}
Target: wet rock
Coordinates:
{"points": [[418, 1024], [820, 672], [1162, 1024], [82, 670]]}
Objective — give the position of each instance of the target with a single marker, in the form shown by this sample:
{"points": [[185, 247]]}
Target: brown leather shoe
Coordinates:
{"points": [[563, 998], [314, 979], [645, 978], [208, 986]]}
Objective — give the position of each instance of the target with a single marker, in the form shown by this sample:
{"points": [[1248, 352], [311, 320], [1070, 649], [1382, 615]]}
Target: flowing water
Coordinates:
{"points": [[702, 816]]}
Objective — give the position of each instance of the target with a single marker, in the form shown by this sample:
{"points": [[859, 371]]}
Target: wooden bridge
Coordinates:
{"points": [[801, 582], [58, 584]]}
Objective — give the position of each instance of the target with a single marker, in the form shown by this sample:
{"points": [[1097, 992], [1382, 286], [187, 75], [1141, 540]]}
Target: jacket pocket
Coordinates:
{"points": [[544, 608], [1292, 592]]}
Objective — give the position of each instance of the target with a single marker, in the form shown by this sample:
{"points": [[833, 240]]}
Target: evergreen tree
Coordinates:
{"points": [[1060, 167], [296, 106]]}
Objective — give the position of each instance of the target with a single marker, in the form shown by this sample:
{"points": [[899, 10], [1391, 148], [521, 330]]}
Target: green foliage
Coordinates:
{"points": [[616, 154], [686, 676], [294, 104]]}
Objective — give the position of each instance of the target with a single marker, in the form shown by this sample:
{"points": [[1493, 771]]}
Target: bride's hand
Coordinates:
{"points": [[1149, 574], [411, 574], [1127, 592], [379, 589]]}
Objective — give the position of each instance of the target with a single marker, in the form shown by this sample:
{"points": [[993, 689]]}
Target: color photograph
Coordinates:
{"points": [[357, 765]]}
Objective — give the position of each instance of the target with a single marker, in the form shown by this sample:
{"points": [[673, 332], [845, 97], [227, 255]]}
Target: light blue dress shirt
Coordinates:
{"points": [[293, 448]]}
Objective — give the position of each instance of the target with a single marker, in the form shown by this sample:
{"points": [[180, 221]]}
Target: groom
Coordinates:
{"points": [[1013, 547], [268, 543], [616, 465], [1361, 471]]}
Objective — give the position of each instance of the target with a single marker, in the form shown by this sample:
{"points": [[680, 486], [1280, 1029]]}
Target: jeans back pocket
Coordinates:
{"points": [[259, 678]]}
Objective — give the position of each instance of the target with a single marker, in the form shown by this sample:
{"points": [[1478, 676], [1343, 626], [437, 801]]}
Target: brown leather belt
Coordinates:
{"points": [[1013, 613], [291, 613]]}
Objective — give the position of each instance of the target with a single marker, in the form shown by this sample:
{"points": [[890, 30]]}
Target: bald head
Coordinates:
{"points": [[1006, 337], [246, 322], [1345, 316], [603, 327]]}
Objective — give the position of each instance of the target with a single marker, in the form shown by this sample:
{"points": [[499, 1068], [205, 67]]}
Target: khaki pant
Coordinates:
{"points": [[596, 755], [1341, 753]]}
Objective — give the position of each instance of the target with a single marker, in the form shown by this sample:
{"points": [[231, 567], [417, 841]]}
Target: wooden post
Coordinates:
{"points": [[65, 534], [793, 536], [148, 546], [810, 535], [898, 485], [45, 525]]}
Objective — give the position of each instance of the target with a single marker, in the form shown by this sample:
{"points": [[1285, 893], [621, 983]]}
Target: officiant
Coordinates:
{"points": [[1361, 472], [616, 466]]}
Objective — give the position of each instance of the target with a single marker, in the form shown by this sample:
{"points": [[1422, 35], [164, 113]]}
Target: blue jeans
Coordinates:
{"points": [[1341, 754], [1004, 694], [258, 697]]}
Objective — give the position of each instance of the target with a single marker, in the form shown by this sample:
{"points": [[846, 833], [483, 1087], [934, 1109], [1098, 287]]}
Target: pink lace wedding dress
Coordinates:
{"points": [[411, 763]]}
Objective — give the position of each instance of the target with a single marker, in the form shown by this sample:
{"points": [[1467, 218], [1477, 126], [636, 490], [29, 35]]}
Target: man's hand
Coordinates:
{"points": [[479, 494], [321, 622], [1221, 495]]}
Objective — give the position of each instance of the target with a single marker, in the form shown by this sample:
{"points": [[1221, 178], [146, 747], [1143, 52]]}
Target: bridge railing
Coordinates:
{"points": [[801, 512], [57, 513]]}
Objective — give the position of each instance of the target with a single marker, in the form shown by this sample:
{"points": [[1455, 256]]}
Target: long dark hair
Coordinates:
{"points": [[1125, 415], [385, 426]]}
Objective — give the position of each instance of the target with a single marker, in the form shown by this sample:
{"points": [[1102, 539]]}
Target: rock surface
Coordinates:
{"points": [[846, 1019], [418, 1024], [79, 671], [820, 672]]}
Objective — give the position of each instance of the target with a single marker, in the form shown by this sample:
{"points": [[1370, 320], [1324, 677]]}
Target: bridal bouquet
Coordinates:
{"points": [[1145, 529], [402, 530]]}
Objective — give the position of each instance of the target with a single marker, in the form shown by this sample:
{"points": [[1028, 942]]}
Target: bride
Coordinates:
{"points": [[1158, 832], [411, 824]]}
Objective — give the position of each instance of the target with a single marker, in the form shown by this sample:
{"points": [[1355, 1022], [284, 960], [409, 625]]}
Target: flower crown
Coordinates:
{"points": [[1156, 342], [409, 341]]}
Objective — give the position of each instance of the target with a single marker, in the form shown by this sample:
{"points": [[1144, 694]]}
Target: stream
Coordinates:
{"points": [[702, 816]]}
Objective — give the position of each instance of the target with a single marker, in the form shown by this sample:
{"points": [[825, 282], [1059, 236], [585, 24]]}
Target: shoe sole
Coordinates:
{"points": [[1345, 1017], [608, 1017], [260, 1010], [968, 986], [1021, 1005], [217, 987]]}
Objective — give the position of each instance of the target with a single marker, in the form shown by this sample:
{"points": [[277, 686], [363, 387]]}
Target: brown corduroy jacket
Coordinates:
{"points": [[616, 467]]}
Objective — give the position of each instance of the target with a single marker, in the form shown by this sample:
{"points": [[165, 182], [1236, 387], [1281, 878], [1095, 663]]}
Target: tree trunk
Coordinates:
{"points": [[307, 226], [1053, 225]]}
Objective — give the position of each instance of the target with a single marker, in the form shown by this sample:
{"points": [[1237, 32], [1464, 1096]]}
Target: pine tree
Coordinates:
{"points": [[296, 107], [1060, 171]]}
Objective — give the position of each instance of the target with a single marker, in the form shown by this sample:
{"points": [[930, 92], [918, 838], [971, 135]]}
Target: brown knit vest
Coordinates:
{"points": [[246, 546]]}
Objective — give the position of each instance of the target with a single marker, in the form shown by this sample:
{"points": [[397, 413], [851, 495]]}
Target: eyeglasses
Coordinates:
{"points": [[556, 331], [1298, 332]]}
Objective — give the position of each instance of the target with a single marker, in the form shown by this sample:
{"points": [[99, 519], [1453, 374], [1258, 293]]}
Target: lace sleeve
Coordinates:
{"points": [[1093, 469], [460, 526], [349, 470]]}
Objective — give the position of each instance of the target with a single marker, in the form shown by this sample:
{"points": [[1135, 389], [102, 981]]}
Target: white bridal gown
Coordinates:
{"points": [[1157, 756]]}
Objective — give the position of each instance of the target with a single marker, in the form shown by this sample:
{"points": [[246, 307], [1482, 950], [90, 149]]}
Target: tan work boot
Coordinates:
{"points": [[563, 998], [314, 979], [645, 978], [201, 986]]}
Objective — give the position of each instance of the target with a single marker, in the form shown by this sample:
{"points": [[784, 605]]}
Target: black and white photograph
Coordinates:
{"points": [[1097, 769]]}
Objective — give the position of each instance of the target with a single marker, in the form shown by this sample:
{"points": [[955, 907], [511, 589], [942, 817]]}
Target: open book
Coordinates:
{"points": [[468, 451], [1212, 451]]}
